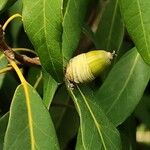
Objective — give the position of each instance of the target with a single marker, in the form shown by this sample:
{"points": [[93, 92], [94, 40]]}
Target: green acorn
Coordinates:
{"points": [[85, 67]]}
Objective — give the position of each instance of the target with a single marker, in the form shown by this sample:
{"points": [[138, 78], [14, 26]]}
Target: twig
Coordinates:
{"points": [[27, 60], [4, 47], [10, 19], [20, 49]]}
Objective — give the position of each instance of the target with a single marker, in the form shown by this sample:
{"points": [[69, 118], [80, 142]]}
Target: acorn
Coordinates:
{"points": [[87, 66]]}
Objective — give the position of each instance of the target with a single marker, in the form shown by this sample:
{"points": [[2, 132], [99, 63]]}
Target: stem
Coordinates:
{"points": [[9, 20], [25, 50], [4, 47], [16, 68], [27, 60], [28, 105], [9, 51], [13, 55]]}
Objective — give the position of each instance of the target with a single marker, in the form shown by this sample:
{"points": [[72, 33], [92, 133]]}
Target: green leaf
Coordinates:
{"points": [[42, 20], [30, 125], [80, 145], [49, 89], [3, 126], [17, 23], [137, 21], [72, 24], [5, 4], [96, 130], [124, 87], [109, 34]]}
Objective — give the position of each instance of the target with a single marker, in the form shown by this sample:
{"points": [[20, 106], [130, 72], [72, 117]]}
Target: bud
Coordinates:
{"points": [[85, 67]]}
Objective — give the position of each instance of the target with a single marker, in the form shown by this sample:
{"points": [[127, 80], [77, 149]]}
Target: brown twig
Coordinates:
{"points": [[4, 47], [9, 53], [23, 59]]}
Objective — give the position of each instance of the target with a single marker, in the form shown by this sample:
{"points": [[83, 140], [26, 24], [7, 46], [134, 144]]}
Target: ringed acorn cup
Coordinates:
{"points": [[87, 66]]}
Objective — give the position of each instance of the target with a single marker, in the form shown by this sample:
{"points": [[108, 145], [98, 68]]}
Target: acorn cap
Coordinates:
{"points": [[98, 60]]}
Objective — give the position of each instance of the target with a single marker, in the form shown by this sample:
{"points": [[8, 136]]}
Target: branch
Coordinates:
{"points": [[9, 53]]}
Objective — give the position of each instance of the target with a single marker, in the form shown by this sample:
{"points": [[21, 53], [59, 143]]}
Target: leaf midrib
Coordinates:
{"points": [[44, 24], [80, 114], [142, 24], [30, 118], [112, 24], [94, 118]]}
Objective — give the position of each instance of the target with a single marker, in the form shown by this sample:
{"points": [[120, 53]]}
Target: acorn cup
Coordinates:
{"points": [[87, 66]]}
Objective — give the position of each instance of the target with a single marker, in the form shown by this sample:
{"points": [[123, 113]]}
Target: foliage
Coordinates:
{"points": [[40, 110]]}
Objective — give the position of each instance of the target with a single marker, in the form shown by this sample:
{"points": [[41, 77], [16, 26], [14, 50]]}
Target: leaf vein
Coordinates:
{"points": [[142, 23]]}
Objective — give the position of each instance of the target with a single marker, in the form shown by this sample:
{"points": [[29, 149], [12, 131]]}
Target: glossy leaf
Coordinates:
{"points": [[3, 126], [17, 23], [72, 24], [30, 126], [42, 20], [49, 89], [136, 17], [96, 130], [109, 34], [5, 4], [79, 144], [124, 87]]}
